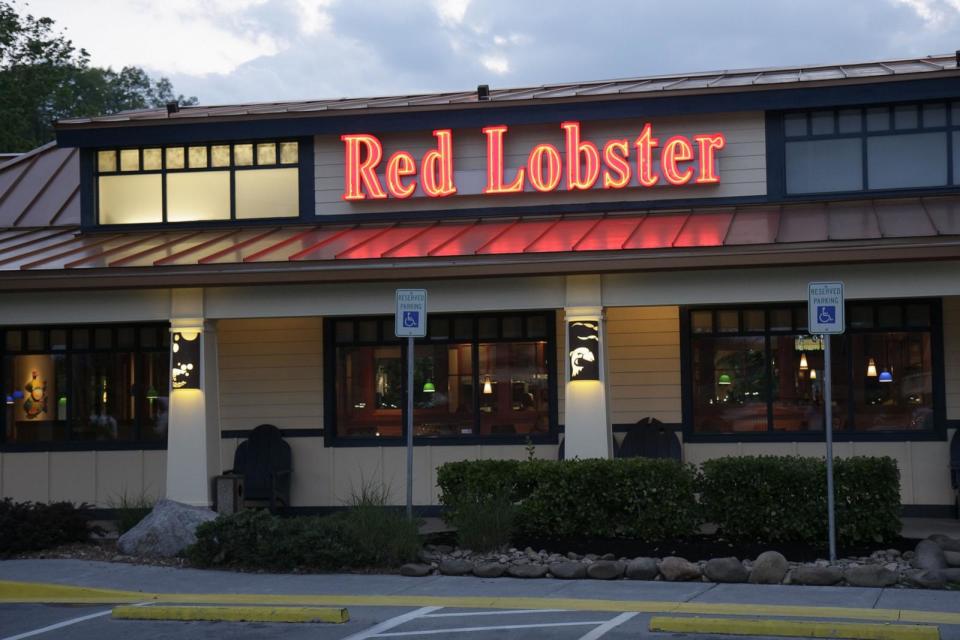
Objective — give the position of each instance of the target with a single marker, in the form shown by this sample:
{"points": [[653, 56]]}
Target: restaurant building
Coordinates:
{"points": [[595, 254]]}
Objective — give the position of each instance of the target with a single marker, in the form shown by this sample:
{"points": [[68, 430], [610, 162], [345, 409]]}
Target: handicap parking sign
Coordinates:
{"points": [[411, 319], [825, 308], [827, 314], [411, 313]]}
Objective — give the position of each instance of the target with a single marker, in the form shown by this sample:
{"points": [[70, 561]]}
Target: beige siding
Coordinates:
{"points": [[742, 164], [951, 351], [643, 355]]}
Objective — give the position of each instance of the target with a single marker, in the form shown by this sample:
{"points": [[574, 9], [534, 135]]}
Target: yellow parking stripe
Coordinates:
{"points": [[794, 628], [336, 615]]}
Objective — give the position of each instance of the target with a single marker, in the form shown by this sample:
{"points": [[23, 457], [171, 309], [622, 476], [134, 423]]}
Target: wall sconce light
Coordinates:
{"points": [[803, 362], [487, 386], [185, 369], [724, 379], [428, 387], [871, 368], [584, 340]]}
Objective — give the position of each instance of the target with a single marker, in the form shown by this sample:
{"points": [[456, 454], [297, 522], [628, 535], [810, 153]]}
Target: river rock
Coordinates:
{"points": [[925, 579], [952, 558], [166, 531], [455, 567], [725, 570], [770, 567], [946, 542], [816, 576], [415, 570], [489, 570], [870, 575], [677, 569], [929, 556], [605, 570], [527, 571], [950, 575], [642, 569], [568, 570]]}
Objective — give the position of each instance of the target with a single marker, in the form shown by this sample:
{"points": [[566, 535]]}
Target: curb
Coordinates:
{"points": [[794, 628], [334, 615]]}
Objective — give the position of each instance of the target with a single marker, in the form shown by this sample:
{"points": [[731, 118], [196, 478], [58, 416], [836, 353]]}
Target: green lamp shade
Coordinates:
{"points": [[428, 387], [152, 393], [724, 378]]}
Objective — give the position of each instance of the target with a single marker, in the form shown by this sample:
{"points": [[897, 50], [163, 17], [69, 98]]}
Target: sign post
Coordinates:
{"points": [[410, 322], [825, 317]]}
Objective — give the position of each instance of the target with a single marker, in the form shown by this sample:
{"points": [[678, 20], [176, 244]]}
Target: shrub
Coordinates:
{"points": [[635, 498], [130, 510], [380, 535], [32, 526], [784, 498], [484, 523]]}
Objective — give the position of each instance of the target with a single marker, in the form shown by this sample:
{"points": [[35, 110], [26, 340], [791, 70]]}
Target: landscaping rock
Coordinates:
{"points": [[455, 567], [725, 570], [568, 570], [527, 571], [427, 556], [608, 556], [945, 542], [816, 576], [929, 556], [642, 569], [870, 575], [770, 567], [926, 579], [950, 575], [166, 531], [952, 558], [489, 570], [605, 570], [677, 569], [415, 570]]}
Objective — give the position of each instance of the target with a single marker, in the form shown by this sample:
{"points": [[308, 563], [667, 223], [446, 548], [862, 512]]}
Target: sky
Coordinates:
{"points": [[230, 51]]}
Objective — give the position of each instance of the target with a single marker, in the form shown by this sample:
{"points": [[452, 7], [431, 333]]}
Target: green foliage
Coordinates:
{"points": [[783, 498], [130, 510], [635, 498], [380, 535], [44, 78], [32, 526], [484, 523]]}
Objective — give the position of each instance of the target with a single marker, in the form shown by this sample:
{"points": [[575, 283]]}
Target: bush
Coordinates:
{"points": [[380, 535], [784, 498], [32, 526], [635, 498], [130, 510], [484, 523]]}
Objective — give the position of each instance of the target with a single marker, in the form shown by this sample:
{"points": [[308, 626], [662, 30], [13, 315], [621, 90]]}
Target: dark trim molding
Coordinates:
{"points": [[55, 447], [944, 511], [226, 434]]}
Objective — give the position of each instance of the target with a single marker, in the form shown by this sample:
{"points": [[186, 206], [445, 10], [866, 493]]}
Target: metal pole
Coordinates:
{"points": [[410, 428], [828, 428]]}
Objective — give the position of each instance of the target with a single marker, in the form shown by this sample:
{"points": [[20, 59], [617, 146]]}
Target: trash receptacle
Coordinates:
{"points": [[229, 493]]}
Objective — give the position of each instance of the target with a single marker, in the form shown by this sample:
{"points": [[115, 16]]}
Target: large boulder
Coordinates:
{"points": [[567, 570], [870, 575], [605, 570], [166, 531], [770, 567], [415, 570], [527, 571], [816, 576], [489, 570], [642, 569], [928, 556], [946, 542], [952, 558], [677, 569], [455, 567], [725, 570]]}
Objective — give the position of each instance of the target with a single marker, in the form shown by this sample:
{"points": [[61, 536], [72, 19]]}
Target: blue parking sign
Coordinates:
{"points": [[825, 308], [411, 313]]}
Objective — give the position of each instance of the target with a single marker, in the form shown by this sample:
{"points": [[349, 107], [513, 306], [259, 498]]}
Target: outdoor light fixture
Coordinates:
{"points": [[885, 376], [185, 362], [803, 362], [487, 386], [428, 387], [724, 379], [871, 368], [584, 341]]}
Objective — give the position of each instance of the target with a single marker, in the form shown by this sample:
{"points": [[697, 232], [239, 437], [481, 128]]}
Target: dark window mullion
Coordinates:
{"points": [[768, 369]]}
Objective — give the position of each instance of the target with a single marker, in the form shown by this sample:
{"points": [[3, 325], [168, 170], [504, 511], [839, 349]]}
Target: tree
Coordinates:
{"points": [[45, 78]]}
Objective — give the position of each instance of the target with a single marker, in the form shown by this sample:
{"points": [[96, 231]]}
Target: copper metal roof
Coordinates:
{"points": [[647, 86], [40, 188], [394, 245]]}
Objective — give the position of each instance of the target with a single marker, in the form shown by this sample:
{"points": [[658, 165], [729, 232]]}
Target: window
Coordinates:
{"points": [[197, 183], [473, 377], [86, 384], [757, 371], [844, 150]]}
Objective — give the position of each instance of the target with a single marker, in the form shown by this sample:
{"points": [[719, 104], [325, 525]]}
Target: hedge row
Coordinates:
{"points": [[750, 498], [33, 526]]}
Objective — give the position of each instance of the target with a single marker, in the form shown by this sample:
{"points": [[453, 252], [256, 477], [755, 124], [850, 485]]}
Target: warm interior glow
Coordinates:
{"points": [[813, 374], [198, 196], [871, 368], [130, 199], [487, 386], [803, 362], [267, 193]]}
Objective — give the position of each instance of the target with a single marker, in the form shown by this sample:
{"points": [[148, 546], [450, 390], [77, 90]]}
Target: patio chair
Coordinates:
{"points": [[264, 461], [650, 439]]}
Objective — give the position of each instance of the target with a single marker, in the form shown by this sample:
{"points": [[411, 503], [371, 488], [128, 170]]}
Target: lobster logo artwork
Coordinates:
{"points": [[584, 337]]}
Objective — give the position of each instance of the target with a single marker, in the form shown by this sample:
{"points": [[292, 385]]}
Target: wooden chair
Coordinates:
{"points": [[264, 461]]}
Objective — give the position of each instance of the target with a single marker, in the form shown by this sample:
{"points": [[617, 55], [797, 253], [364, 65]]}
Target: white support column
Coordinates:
{"points": [[587, 428], [193, 434]]}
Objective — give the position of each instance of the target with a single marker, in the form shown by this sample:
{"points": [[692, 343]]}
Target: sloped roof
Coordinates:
{"points": [[40, 188], [642, 86]]}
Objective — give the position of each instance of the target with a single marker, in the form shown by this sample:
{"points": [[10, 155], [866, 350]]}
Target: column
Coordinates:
{"points": [[193, 433], [587, 428]]}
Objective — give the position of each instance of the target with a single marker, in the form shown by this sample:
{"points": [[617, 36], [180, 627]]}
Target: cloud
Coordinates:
{"points": [[936, 14]]}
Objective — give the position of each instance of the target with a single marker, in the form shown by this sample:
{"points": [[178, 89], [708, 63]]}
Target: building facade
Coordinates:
{"points": [[595, 254]]}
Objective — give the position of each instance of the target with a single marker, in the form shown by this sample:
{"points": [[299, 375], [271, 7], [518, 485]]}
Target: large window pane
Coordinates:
{"points": [[198, 196], [900, 395], [130, 199], [819, 166], [267, 193], [369, 391], [914, 160], [103, 402], [155, 401], [36, 402], [443, 393], [514, 396], [729, 385], [797, 383]]}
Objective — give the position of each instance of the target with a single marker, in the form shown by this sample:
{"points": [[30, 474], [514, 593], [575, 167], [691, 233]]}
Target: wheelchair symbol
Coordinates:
{"points": [[411, 319], [827, 315]]}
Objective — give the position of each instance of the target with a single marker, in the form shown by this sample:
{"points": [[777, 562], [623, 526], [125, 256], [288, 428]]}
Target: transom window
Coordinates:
{"points": [[474, 376], [757, 370], [191, 183], [876, 148]]}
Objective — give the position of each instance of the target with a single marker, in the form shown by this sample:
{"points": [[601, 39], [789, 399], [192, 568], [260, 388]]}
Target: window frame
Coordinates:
{"points": [[937, 433], [330, 344], [90, 190], [137, 444]]}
